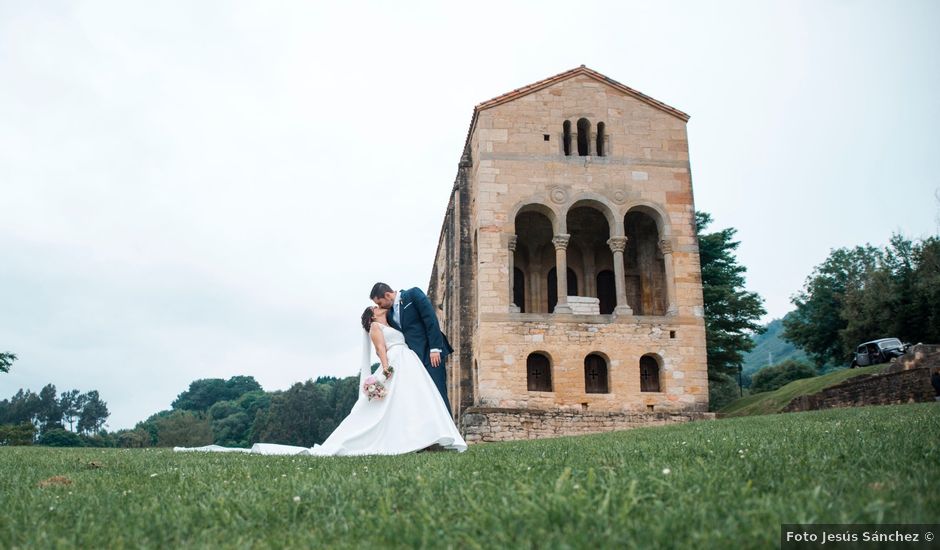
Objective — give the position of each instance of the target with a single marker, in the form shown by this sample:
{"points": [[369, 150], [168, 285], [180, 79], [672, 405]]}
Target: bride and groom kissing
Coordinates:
{"points": [[414, 412]]}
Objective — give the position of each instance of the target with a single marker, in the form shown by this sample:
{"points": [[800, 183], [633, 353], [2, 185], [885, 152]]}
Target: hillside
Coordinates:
{"points": [[775, 401], [709, 484], [770, 349]]}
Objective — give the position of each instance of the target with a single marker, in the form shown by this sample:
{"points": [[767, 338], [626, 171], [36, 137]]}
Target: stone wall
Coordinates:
{"points": [[918, 356], [905, 386], [480, 424], [906, 380]]}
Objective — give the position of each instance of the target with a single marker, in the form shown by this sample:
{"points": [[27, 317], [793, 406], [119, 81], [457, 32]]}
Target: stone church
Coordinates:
{"points": [[567, 273]]}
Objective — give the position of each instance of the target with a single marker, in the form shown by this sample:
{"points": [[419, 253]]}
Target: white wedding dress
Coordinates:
{"points": [[411, 417]]}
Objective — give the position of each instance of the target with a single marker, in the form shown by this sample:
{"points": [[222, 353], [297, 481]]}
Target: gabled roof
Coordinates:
{"points": [[579, 71], [582, 70]]}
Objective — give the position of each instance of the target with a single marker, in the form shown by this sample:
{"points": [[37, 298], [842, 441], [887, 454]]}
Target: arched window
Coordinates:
{"points": [[553, 287], [601, 150], [538, 372], [607, 291], [649, 373], [566, 137], [518, 289], [584, 137], [595, 374]]}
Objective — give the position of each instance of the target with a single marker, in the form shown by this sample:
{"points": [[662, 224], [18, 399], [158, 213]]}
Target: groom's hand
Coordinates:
{"points": [[435, 358]]}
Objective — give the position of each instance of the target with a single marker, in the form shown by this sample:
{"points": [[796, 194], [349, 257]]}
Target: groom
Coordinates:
{"points": [[411, 312]]}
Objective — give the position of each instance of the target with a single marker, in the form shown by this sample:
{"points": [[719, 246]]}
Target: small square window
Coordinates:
{"points": [[546, 137], [672, 334]]}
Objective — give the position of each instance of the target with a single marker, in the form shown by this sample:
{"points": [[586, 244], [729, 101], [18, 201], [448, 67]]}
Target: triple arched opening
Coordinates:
{"points": [[596, 373], [580, 140], [589, 260]]}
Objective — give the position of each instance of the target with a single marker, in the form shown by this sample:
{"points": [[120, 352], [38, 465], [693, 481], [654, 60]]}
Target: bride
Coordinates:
{"points": [[410, 417]]}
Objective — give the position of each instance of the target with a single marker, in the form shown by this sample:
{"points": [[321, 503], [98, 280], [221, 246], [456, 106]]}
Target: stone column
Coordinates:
{"points": [[513, 307], [617, 244], [665, 247], [561, 268]]}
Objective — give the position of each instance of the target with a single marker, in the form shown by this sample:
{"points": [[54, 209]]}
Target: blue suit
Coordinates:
{"points": [[422, 334]]}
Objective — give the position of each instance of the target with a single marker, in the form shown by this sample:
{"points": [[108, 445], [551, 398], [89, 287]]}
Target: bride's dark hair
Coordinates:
{"points": [[367, 317]]}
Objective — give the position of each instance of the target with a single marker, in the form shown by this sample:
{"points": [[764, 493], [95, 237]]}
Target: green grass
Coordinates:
{"points": [[775, 401], [730, 483]]}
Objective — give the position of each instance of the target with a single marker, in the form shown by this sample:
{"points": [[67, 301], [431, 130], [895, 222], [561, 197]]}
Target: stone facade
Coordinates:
{"points": [[567, 273]]}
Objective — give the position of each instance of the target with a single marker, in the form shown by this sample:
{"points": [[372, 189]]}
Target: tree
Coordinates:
{"points": [[818, 320], [231, 421], [731, 312], [291, 418], [865, 293], [151, 425], [204, 393], [71, 404], [94, 413], [48, 414], [926, 291], [133, 439], [59, 437], [307, 413], [183, 429], [22, 407], [779, 375], [722, 390], [6, 361], [23, 433]]}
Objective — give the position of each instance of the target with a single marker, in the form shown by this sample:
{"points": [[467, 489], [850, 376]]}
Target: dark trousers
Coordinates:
{"points": [[439, 375]]}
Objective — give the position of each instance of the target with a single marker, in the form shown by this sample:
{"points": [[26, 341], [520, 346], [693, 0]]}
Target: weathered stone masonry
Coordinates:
{"points": [[567, 272]]}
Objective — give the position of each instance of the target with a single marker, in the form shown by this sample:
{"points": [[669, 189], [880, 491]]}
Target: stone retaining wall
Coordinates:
{"points": [[907, 380], [480, 424]]}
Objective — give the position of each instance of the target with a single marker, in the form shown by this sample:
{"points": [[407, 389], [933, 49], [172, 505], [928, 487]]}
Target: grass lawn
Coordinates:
{"points": [[713, 484], [775, 401]]}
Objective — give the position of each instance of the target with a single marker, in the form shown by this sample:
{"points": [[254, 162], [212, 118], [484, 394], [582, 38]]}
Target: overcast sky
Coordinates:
{"points": [[202, 189]]}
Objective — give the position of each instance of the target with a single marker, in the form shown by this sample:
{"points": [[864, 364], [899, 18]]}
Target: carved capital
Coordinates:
{"points": [[561, 241], [513, 239], [617, 244], [665, 247]]}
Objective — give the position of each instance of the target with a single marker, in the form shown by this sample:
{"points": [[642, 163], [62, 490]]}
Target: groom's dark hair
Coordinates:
{"points": [[379, 290]]}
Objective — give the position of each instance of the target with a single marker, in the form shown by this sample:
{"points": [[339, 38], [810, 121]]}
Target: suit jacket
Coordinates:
{"points": [[419, 325]]}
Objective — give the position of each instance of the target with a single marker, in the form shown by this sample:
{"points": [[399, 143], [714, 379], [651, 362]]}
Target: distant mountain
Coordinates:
{"points": [[770, 349]]}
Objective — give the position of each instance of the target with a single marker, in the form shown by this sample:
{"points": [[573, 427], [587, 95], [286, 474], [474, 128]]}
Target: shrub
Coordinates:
{"points": [[183, 429], [58, 437], [17, 434], [722, 389], [779, 375], [134, 439]]}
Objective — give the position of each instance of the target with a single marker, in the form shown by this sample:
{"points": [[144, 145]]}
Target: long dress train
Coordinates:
{"points": [[411, 417]]}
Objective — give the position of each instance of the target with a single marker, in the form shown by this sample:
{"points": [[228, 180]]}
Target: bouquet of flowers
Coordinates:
{"points": [[374, 388]]}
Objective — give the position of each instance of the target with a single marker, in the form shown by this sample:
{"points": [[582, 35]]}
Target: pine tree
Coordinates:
{"points": [[731, 312]]}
